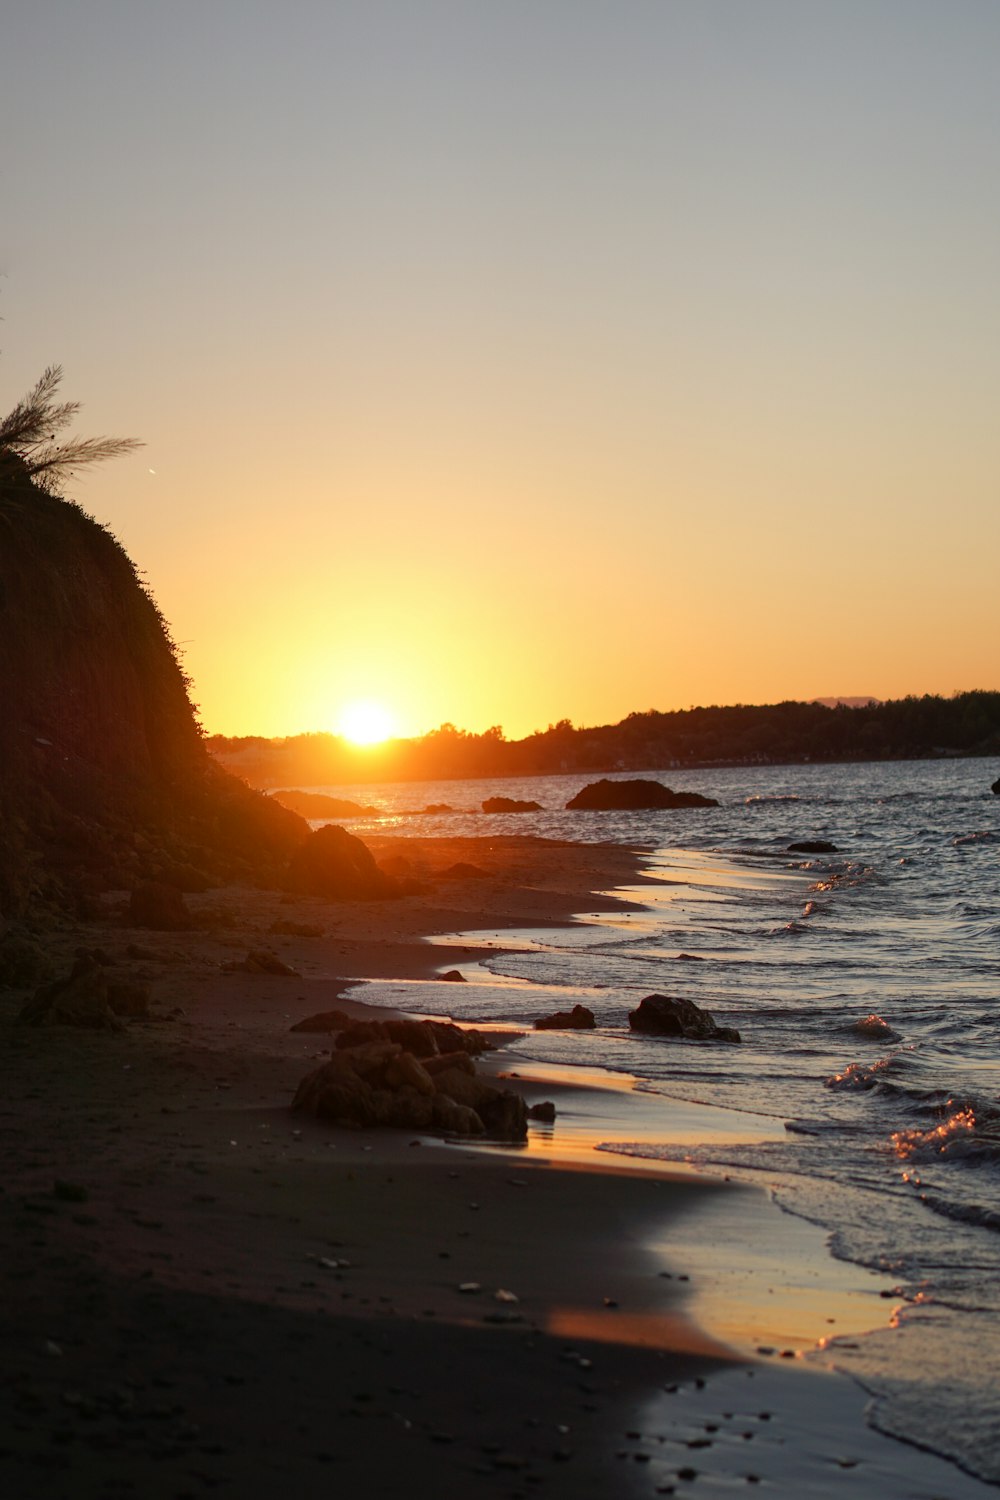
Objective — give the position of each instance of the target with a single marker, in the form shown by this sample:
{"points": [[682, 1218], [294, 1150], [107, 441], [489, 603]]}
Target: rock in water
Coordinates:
{"points": [[812, 846], [580, 1018], [624, 796], [509, 805], [666, 1015], [333, 863], [317, 805]]}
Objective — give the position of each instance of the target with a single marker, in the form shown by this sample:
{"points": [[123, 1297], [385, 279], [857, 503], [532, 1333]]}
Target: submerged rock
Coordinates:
{"points": [[580, 1018], [812, 846], [616, 796], [669, 1016], [509, 805]]}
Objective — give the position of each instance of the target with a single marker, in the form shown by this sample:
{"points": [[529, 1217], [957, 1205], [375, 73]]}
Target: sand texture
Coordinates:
{"points": [[203, 1292]]}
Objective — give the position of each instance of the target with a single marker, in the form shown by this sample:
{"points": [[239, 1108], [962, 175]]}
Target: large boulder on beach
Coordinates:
{"points": [[580, 1018], [504, 1114], [380, 1083], [626, 796], [671, 1016], [333, 863], [510, 805]]}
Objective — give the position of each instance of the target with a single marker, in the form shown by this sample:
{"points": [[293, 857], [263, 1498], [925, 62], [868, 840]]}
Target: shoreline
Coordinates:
{"points": [[224, 1296]]}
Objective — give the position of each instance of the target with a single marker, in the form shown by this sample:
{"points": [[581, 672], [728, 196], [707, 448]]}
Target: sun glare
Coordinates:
{"points": [[365, 722]]}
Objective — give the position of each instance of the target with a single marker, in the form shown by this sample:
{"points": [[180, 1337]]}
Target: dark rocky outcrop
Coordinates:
{"points": [[509, 805], [106, 779], [580, 1018], [318, 805], [996, 787], [382, 1083], [624, 796], [333, 863], [667, 1016], [812, 846]]}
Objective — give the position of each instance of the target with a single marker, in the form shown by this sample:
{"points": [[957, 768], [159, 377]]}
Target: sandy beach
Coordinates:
{"points": [[204, 1292]]}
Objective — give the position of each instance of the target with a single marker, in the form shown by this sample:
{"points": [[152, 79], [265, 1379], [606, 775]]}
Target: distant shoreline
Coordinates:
{"points": [[792, 734]]}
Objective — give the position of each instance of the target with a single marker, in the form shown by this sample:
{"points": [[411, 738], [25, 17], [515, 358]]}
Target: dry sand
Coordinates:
{"points": [[203, 1292]]}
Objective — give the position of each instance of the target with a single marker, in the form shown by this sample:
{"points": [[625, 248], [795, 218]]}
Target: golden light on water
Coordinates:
{"points": [[365, 722]]}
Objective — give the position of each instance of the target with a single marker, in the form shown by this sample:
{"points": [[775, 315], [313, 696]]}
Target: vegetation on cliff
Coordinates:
{"points": [[105, 776]]}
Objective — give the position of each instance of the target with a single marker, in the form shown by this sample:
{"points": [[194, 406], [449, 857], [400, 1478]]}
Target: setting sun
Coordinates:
{"points": [[365, 722]]}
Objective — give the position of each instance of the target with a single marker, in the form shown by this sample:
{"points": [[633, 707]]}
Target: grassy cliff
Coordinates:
{"points": [[105, 777]]}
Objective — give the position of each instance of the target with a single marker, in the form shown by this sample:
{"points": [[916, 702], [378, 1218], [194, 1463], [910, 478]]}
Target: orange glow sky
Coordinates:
{"points": [[511, 361]]}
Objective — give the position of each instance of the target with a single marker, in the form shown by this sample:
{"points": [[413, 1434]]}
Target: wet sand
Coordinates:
{"points": [[204, 1293]]}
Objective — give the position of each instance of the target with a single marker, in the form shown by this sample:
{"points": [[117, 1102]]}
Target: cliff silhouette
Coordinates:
{"points": [[106, 778]]}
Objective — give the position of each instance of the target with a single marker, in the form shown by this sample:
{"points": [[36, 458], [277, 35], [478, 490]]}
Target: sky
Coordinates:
{"points": [[505, 362]]}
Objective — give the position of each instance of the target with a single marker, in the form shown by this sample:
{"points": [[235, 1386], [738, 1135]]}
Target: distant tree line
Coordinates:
{"points": [[742, 734]]}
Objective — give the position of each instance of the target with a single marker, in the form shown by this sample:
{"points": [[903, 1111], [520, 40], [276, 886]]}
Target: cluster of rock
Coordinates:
{"points": [[394, 1073], [656, 1015], [627, 796]]}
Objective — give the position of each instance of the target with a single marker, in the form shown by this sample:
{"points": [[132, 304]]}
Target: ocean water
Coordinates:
{"points": [[866, 986]]}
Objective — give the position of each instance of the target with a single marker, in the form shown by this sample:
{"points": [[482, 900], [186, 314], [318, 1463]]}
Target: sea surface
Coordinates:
{"points": [[866, 986]]}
